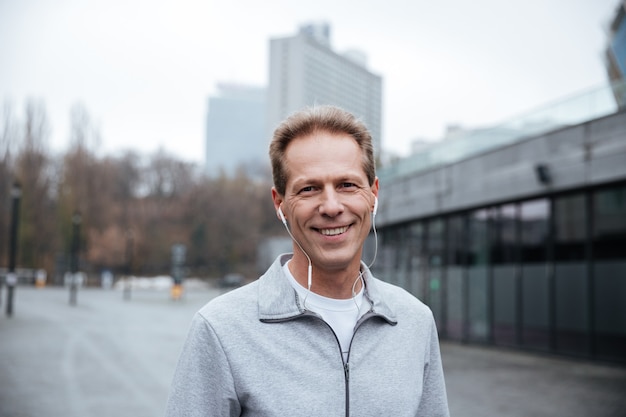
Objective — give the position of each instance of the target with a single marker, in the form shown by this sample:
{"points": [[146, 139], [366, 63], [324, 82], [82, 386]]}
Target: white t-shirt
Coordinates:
{"points": [[341, 315]]}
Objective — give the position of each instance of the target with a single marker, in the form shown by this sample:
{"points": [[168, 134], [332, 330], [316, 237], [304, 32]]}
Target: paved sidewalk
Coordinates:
{"points": [[108, 356], [490, 382]]}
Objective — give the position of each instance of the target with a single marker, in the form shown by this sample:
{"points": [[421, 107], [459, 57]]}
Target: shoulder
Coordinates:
{"points": [[400, 301], [230, 306]]}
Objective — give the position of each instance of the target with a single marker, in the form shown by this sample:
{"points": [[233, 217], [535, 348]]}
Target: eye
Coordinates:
{"points": [[348, 185], [306, 189]]}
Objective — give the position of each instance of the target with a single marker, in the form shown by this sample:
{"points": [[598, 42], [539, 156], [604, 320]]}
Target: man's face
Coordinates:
{"points": [[327, 201]]}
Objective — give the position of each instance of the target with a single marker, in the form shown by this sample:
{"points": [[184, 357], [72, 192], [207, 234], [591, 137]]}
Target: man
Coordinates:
{"points": [[317, 334]]}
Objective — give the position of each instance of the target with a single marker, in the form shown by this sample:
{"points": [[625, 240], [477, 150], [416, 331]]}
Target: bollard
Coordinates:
{"points": [[40, 278], [178, 261], [11, 279], [76, 221], [176, 292]]}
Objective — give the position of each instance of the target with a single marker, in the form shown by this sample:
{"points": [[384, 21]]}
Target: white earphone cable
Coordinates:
{"points": [[310, 266]]}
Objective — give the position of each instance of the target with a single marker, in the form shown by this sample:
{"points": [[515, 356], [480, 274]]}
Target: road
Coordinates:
{"points": [[108, 356]]}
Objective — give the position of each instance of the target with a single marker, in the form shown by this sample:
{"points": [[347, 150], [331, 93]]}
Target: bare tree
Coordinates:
{"points": [[166, 176], [158, 199], [32, 169], [81, 186], [8, 134]]}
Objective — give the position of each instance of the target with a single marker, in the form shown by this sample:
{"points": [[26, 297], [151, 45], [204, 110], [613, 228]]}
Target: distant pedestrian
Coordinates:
{"points": [[317, 334]]}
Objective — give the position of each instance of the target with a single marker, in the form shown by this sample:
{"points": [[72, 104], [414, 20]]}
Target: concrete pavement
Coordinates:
{"points": [[489, 382], [108, 356]]}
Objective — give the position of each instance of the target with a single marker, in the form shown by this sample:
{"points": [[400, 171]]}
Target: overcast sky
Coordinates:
{"points": [[144, 69]]}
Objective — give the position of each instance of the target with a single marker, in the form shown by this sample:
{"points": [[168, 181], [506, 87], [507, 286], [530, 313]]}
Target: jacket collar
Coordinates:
{"points": [[278, 300]]}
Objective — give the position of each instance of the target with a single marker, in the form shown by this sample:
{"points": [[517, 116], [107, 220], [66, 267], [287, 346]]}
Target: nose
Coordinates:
{"points": [[331, 204]]}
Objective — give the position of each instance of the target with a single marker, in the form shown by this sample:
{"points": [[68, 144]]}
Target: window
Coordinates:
{"points": [[506, 294], [571, 274], [455, 259], [570, 228], [534, 227], [609, 271], [478, 285], [609, 234]]}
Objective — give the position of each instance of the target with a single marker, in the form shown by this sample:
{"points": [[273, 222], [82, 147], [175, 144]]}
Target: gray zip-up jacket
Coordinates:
{"points": [[256, 352]]}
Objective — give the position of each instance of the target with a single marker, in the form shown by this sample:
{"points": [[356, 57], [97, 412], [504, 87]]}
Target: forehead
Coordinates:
{"points": [[323, 154]]}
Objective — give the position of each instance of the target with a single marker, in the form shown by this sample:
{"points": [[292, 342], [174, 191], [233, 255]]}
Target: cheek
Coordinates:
{"points": [[365, 201], [301, 209]]}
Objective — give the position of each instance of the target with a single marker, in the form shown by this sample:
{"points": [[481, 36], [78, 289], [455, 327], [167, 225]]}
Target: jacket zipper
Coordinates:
{"points": [[346, 363], [346, 366], [346, 371]]}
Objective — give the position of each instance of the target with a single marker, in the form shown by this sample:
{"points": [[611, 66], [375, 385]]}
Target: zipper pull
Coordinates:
{"points": [[346, 371]]}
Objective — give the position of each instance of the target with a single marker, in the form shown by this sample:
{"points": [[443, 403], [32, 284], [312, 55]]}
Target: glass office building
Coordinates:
{"points": [[516, 241], [304, 70], [545, 273], [235, 131]]}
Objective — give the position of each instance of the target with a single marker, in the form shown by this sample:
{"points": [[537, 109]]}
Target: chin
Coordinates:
{"points": [[337, 262]]}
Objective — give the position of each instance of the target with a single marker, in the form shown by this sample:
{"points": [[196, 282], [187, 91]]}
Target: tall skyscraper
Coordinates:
{"points": [[616, 54], [236, 136], [305, 71]]}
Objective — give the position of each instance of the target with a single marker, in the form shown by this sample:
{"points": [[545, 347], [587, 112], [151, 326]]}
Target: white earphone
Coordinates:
{"points": [[310, 268], [282, 216]]}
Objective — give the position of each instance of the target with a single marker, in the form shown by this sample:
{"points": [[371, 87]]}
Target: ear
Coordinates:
{"points": [[374, 189], [278, 200]]}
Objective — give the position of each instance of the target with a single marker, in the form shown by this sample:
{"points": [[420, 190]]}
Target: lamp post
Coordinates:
{"points": [[129, 264], [11, 278], [76, 221]]}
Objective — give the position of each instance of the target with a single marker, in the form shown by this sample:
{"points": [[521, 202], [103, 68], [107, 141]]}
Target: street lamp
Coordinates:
{"points": [[11, 278], [76, 221], [129, 264]]}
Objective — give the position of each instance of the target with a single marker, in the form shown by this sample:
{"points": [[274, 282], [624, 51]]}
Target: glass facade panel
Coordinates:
{"points": [[456, 245], [570, 228], [455, 316], [534, 233], [609, 220], [571, 274], [572, 308], [535, 307], [506, 248], [417, 259], [455, 260], [479, 327], [505, 281], [386, 258], [477, 276], [435, 248], [505, 305], [609, 272], [403, 274], [546, 274], [534, 230], [610, 314]]}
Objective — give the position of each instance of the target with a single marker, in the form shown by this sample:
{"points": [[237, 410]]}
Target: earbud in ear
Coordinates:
{"points": [[375, 206], [282, 216]]}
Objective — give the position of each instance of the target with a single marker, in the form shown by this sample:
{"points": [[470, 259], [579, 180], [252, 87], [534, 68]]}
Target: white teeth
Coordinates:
{"points": [[333, 232]]}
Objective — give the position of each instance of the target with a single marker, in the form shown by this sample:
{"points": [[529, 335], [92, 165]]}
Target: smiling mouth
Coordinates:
{"points": [[334, 231]]}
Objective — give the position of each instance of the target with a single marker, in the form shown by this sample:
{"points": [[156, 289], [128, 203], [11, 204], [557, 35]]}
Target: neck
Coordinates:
{"points": [[338, 284]]}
